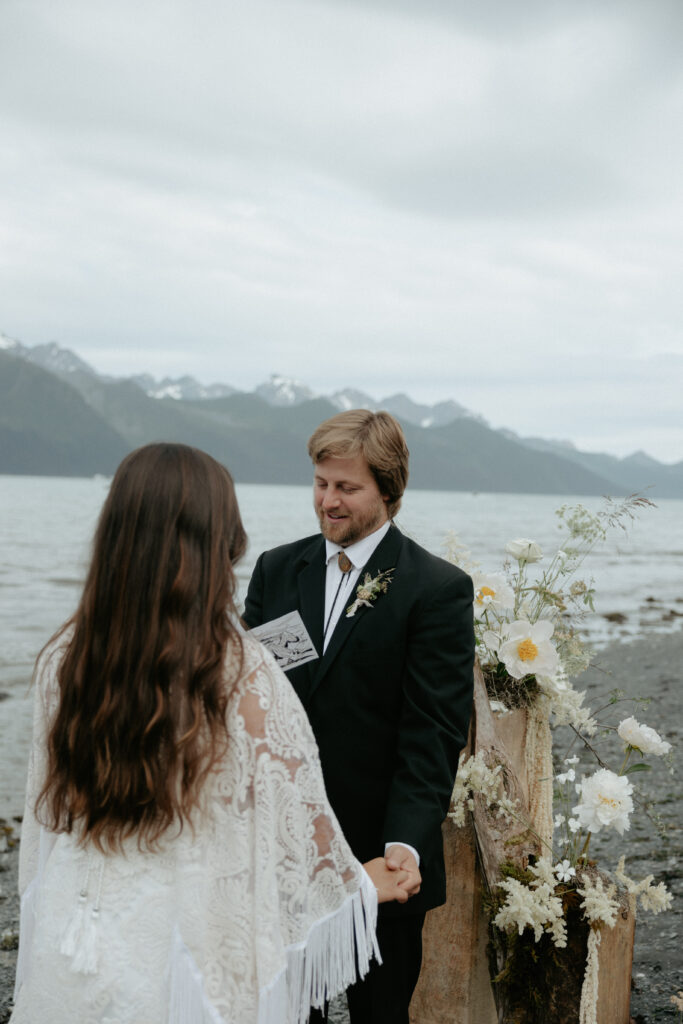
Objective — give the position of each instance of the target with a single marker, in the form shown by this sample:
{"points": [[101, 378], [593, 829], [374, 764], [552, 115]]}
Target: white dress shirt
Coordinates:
{"points": [[339, 590], [339, 586]]}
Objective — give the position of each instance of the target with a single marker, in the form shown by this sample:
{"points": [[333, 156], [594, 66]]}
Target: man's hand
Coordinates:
{"points": [[399, 858], [387, 882]]}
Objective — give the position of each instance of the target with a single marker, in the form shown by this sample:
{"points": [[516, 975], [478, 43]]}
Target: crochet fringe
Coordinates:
{"points": [[187, 1002], [337, 950]]}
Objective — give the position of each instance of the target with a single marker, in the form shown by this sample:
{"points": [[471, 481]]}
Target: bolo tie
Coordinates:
{"points": [[345, 565]]}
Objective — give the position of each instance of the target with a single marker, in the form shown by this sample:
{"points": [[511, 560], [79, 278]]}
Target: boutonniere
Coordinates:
{"points": [[369, 590]]}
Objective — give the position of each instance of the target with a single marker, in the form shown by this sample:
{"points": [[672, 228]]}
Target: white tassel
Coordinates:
{"points": [[85, 955], [80, 939], [71, 935]]}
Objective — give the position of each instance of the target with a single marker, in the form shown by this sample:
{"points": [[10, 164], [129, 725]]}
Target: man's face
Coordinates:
{"points": [[347, 500]]}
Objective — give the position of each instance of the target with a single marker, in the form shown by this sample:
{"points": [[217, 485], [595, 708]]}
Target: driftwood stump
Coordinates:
{"points": [[462, 951]]}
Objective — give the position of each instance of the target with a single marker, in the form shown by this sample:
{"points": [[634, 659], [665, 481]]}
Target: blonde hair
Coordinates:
{"points": [[378, 437]]}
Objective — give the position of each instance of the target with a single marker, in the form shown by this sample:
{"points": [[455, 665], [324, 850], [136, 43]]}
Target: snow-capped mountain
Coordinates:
{"points": [[351, 398], [8, 344], [96, 419], [439, 415], [279, 390], [404, 408], [179, 388], [51, 357]]}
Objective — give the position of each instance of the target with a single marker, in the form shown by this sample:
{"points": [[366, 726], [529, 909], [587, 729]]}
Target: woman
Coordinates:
{"points": [[179, 861]]}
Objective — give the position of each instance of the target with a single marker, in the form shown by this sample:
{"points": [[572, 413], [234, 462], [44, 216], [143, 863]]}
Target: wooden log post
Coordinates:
{"points": [[616, 963], [455, 985]]}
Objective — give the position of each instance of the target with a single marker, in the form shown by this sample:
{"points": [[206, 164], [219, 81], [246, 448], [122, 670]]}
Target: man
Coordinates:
{"points": [[390, 694]]}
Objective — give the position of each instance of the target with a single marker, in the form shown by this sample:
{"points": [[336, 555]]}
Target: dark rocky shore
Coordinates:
{"points": [[649, 668]]}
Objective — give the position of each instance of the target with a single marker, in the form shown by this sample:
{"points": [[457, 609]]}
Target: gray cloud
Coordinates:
{"points": [[480, 201]]}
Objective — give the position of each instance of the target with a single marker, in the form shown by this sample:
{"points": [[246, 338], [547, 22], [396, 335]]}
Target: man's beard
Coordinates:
{"points": [[353, 528]]}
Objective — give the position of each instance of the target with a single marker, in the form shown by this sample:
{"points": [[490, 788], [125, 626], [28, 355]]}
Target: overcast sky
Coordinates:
{"points": [[470, 199]]}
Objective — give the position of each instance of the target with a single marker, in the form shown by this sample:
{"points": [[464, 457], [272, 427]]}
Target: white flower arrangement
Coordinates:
{"points": [[529, 647], [527, 618]]}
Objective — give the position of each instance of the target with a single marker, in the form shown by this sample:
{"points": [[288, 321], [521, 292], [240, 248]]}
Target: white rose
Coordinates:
{"points": [[524, 550], [647, 740], [605, 802]]}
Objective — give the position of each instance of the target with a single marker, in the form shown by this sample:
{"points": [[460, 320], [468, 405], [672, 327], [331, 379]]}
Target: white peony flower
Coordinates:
{"points": [[524, 550], [491, 593], [574, 824], [571, 760], [605, 801], [645, 739], [528, 649], [564, 872], [567, 776], [559, 820]]}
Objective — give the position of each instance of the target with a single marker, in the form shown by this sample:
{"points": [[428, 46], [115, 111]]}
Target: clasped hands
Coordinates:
{"points": [[396, 876]]}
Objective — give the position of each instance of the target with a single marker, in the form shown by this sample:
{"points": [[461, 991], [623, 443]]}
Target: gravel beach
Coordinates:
{"points": [[648, 668]]}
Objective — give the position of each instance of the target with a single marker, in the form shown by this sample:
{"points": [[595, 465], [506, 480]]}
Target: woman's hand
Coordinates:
{"points": [[387, 882]]}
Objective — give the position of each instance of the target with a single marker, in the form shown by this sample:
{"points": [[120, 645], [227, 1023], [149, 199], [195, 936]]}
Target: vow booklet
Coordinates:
{"points": [[287, 640]]}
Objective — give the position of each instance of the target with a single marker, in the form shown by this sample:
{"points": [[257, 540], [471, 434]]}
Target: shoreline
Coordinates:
{"points": [[648, 667]]}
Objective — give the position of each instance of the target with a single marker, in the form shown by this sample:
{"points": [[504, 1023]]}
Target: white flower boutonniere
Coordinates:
{"points": [[369, 590]]}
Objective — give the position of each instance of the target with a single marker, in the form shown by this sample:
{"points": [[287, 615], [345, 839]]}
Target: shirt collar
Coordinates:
{"points": [[362, 550]]}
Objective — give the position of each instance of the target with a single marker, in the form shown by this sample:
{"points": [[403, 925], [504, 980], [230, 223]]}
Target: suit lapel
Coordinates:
{"points": [[384, 557], [311, 584]]}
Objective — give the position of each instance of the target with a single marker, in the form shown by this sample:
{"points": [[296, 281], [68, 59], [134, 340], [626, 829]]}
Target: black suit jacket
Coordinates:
{"points": [[390, 700]]}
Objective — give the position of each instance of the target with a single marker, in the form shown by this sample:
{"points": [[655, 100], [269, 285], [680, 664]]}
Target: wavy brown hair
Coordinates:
{"points": [[142, 688]]}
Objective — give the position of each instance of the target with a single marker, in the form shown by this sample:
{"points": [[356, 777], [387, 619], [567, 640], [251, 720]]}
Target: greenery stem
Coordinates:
{"points": [[629, 751]]}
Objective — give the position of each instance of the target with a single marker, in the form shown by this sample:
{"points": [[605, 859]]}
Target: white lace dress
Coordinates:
{"points": [[254, 916]]}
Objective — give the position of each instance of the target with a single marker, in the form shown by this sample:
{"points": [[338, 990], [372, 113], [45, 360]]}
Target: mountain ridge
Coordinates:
{"points": [[262, 434]]}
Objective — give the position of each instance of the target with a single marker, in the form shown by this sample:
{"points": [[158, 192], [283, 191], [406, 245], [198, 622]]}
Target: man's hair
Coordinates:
{"points": [[378, 437]]}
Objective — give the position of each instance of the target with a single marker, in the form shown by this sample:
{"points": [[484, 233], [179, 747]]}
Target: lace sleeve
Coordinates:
{"points": [[315, 906], [34, 841]]}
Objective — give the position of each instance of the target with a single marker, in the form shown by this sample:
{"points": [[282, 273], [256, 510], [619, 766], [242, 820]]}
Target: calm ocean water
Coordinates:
{"points": [[46, 526]]}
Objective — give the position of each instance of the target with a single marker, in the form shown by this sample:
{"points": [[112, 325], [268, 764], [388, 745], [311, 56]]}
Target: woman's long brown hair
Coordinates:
{"points": [[142, 692]]}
